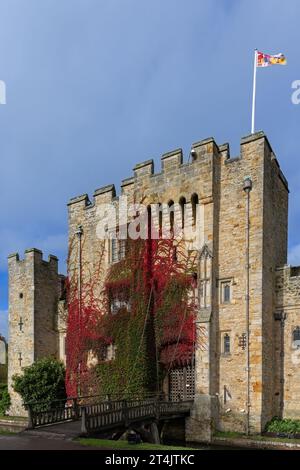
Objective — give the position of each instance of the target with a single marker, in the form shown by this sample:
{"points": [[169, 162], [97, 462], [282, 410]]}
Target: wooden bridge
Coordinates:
{"points": [[95, 416]]}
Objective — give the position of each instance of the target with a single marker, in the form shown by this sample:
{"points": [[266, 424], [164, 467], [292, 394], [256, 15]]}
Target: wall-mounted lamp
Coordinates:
{"points": [[247, 187]]}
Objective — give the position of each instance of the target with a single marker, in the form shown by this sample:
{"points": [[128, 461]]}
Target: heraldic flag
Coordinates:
{"points": [[264, 60]]}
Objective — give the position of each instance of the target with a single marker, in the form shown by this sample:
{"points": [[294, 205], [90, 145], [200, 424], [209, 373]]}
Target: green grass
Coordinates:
{"points": [[237, 435], [123, 445], [13, 418], [275, 439], [6, 433]]}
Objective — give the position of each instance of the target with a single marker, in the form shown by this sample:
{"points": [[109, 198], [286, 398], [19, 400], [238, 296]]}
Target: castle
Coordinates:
{"points": [[248, 316]]}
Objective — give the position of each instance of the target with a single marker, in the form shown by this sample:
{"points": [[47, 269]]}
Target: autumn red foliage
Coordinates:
{"points": [[155, 287]]}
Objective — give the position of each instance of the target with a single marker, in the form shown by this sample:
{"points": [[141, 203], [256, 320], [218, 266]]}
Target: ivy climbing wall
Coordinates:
{"points": [[126, 340]]}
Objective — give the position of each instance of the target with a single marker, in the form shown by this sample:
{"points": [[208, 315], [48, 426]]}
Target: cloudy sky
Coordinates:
{"points": [[95, 86]]}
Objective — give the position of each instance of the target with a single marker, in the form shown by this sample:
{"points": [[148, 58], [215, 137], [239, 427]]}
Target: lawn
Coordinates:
{"points": [[6, 433], [256, 437], [13, 418], [123, 445]]}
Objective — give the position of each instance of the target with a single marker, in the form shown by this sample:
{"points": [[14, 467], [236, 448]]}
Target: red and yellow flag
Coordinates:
{"points": [[264, 60]]}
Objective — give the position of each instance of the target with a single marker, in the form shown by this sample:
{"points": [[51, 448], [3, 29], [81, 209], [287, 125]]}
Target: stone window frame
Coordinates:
{"points": [[3, 351], [117, 304], [295, 342], [114, 250], [222, 284], [121, 247], [223, 334], [110, 353]]}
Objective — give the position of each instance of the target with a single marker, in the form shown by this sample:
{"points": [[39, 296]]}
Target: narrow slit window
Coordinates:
{"points": [[114, 250], [160, 218], [194, 201], [122, 248], [226, 293], [182, 203], [226, 344], [296, 337], [171, 215]]}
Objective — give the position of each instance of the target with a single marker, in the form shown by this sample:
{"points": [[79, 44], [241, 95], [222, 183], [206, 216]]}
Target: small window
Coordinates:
{"points": [[21, 295], [160, 219], [110, 353], [296, 337], [225, 292], [122, 249], [114, 250], [171, 214], [117, 304], [118, 249], [226, 343], [182, 203], [195, 202]]}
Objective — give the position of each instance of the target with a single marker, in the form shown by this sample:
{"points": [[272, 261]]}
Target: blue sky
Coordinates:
{"points": [[95, 86]]}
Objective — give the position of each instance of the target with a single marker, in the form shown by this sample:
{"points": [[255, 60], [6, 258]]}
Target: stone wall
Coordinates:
{"points": [[3, 360], [287, 314], [217, 179], [34, 290]]}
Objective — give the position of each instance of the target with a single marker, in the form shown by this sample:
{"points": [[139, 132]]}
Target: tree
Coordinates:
{"points": [[41, 384], [4, 399]]}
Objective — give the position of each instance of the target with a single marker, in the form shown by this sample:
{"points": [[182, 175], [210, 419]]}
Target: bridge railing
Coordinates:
{"points": [[96, 413], [122, 413], [41, 413]]}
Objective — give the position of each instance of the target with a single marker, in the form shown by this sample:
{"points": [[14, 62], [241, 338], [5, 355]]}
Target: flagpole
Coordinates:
{"points": [[254, 92]]}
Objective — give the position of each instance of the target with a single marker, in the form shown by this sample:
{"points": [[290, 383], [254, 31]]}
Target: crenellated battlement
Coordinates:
{"points": [[288, 272], [34, 255], [204, 195], [287, 286], [173, 167]]}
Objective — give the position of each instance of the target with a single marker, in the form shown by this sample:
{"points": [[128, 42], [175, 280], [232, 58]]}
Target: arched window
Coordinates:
{"points": [[182, 203], [296, 336], [226, 293], [149, 222], [171, 214], [2, 351], [160, 218], [194, 202], [226, 344]]}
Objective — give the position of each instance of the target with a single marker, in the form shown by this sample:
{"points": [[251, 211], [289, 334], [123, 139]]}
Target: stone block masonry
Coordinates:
{"points": [[215, 180], [34, 292]]}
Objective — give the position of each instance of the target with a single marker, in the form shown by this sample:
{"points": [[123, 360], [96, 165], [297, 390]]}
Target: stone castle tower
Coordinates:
{"points": [[35, 290], [217, 180], [245, 289]]}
